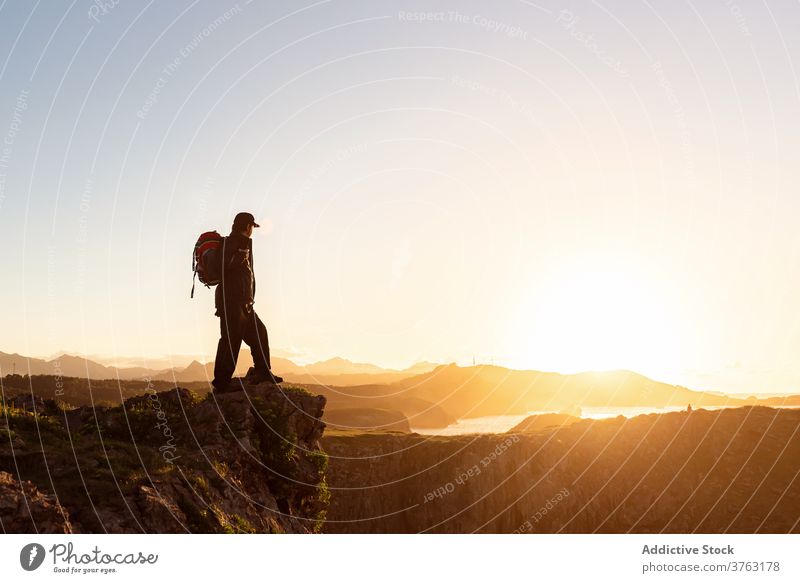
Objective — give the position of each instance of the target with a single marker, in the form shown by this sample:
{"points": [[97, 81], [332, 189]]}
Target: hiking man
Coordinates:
{"points": [[234, 298]]}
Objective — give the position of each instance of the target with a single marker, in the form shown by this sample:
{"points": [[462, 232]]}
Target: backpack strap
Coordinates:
{"points": [[194, 270]]}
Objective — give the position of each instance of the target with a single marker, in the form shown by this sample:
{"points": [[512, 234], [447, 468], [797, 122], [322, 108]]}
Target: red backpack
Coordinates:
{"points": [[206, 260]]}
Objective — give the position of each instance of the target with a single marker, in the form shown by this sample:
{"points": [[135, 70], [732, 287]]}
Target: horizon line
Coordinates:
{"points": [[92, 357]]}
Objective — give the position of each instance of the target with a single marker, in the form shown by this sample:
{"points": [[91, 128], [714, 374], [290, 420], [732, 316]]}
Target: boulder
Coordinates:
{"points": [[25, 509]]}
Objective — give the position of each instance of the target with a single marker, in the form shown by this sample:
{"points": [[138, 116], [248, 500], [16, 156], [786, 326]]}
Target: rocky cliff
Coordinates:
{"points": [[704, 471], [22, 504], [166, 462]]}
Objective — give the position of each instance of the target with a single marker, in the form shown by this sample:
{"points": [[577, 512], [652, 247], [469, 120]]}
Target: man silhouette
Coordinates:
{"points": [[238, 321]]}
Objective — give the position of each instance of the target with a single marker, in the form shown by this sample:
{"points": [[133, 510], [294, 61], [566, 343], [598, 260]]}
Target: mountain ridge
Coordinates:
{"points": [[70, 365], [484, 390]]}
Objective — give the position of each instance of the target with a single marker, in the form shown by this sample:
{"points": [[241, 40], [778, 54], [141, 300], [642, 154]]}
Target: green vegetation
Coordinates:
{"points": [[100, 459], [276, 444], [76, 392], [320, 460], [324, 496], [297, 390], [70, 464], [200, 519], [242, 525], [201, 485], [30, 425], [220, 475]]}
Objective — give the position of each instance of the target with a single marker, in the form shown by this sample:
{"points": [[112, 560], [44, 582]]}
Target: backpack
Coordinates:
{"points": [[206, 259]]}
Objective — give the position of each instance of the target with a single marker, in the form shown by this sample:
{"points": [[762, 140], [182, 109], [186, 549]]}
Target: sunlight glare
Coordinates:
{"points": [[600, 318]]}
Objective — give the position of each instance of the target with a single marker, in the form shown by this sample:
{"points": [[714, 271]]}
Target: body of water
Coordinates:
{"points": [[502, 423], [491, 424]]}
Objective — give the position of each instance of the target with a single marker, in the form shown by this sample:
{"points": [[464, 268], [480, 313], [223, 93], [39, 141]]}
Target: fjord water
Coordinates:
{"points": [[502, 423]]}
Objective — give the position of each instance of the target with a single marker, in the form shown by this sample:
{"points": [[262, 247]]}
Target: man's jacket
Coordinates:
{"points": [[238, 285]]}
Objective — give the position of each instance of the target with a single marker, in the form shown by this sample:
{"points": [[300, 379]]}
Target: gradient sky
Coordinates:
{"points": [[558, 186]]}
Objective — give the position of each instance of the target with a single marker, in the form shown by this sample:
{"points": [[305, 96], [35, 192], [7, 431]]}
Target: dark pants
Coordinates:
{"points": [[237, 324]]}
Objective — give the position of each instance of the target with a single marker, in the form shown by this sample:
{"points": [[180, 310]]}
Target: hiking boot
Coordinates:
{"points": [[257, 378]]}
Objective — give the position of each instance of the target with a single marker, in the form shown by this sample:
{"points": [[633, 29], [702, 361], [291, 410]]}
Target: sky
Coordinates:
{"points": [[547, 185]]}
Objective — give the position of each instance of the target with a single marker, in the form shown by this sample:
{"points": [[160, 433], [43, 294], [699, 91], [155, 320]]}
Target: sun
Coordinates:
{"points": [[600, 317]]}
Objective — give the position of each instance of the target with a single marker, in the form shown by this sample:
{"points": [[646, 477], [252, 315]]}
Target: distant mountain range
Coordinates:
{"points": [[492, 390], [438, 397], [427, 394], [335, 371]]}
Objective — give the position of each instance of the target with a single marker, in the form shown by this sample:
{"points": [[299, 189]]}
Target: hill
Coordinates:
{"points": [[543, 421], [335, 371], [477, 391], [724, 471], [431, 400], [366, 419]]}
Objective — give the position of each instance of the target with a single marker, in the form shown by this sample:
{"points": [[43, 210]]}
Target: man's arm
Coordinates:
{"points": [[252, 271], [233, 258]]}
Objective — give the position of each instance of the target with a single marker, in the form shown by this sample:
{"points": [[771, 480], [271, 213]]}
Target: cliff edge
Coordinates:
{"points": [[166, 462]]}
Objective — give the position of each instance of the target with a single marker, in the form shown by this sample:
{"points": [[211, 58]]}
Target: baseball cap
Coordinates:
{"points": [[245, 219]]}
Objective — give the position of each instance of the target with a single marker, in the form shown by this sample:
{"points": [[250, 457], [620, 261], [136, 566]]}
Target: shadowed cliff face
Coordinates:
{"points": [[733, 470], [168, 463]]}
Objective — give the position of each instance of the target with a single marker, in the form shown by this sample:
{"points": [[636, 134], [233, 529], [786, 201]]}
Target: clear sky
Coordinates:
{"points": [[558, 186]]}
